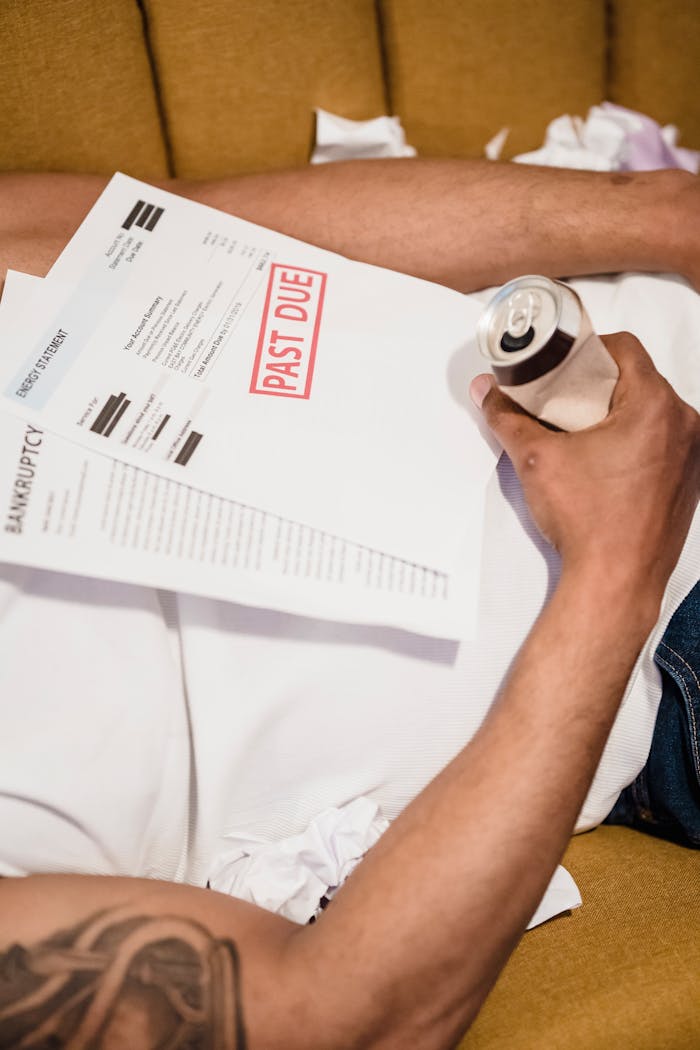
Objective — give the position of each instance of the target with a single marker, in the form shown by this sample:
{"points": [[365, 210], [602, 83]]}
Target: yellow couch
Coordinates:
{"points": [[228, 86]]}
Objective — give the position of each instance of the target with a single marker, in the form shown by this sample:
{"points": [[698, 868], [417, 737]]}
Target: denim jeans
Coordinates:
{"points": [[664, 800]]}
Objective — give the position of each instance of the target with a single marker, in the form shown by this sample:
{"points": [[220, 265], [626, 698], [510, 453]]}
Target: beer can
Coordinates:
{"points": [[543, 352]]}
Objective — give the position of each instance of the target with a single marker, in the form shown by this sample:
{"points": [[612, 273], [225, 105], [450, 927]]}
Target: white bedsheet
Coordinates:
{"points": [[293, 717], [132, 748]]}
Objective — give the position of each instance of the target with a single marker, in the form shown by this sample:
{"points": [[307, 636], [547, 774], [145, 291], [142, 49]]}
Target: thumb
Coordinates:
{"points": [[479, 388], [511, 424]]}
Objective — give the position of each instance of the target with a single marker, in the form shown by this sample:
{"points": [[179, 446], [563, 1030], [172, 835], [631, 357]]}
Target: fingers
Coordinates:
{"points": [[635, 364], [627, 350], [511, 424], [517, 431], [642, 397]]}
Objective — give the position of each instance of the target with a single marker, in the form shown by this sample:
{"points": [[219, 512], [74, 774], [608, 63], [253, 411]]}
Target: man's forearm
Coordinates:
{"points": [[447, 892], [464, 223], [472, 223], [408, 950], [430, 916]]}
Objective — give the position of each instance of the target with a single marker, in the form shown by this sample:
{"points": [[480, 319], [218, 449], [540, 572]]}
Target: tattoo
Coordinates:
{"points": [[122, 980]]}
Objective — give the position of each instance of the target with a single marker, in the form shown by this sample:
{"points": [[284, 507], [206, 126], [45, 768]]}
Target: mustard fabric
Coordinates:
{"points": [[239, 81], [621, 972], [76, 91], [459, 70], [655, 63]]}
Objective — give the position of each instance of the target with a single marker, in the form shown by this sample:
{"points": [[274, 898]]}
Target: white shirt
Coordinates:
{"points": [[236, 746]]}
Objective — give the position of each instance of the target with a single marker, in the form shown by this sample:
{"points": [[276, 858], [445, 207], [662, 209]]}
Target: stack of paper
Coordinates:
{"points": [[197, 403]]}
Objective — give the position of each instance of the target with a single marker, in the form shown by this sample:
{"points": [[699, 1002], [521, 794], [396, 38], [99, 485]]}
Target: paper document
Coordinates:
{"points": [[68, 509], [244, 363], [562, 894]]}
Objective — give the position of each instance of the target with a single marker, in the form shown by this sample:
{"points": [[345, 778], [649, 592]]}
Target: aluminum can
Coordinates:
{"points": [[543, 352]]}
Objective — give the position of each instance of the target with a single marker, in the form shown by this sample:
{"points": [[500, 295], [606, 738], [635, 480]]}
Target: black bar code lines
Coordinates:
{"points": [[109, 415], [185, 453], [161, 427], [144, 215]]}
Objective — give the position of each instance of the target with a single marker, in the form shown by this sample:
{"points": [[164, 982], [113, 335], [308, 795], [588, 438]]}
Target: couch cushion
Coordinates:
{"points": [[460, 70], [623, 971], [655, 62], [76, 91], [239, 82]]}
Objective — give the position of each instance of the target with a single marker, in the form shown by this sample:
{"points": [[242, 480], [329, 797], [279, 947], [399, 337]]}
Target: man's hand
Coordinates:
{"points": [[620, 495], [411, 944]]}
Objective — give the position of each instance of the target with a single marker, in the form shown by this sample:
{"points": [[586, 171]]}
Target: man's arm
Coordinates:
{"points": [[448, 890], [463, 223], [408, 949]]}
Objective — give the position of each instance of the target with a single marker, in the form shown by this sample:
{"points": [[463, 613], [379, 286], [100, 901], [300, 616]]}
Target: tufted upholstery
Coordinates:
{"points": [[222, 87]]}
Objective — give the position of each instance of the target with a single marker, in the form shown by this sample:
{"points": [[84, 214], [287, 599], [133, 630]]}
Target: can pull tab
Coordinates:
{"points": [[523, 307]]}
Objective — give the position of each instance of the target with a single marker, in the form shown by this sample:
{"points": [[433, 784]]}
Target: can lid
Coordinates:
{"points": [[522, 317]]}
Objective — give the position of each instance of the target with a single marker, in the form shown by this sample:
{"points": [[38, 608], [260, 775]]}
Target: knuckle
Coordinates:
{"points": [[631, 341], [660, 406], [631, 355], [624, 340]]}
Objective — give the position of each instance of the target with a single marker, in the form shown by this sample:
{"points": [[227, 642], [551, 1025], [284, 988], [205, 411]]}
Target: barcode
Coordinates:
{"points": [[144, 215], [109, 415], [185, 453], [161, 427]]}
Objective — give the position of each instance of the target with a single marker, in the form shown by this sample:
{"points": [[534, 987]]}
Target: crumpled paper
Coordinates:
{"points": [[338, 138], [561, 895], [291, 876], [611, 138]]}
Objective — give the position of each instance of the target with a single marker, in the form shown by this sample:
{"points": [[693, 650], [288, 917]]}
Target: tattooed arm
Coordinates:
{"points": [[410, 946], [121, 978], [108, 964]]}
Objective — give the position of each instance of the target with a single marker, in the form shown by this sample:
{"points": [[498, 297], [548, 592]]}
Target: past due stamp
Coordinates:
{"points": [[286, 351]]}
